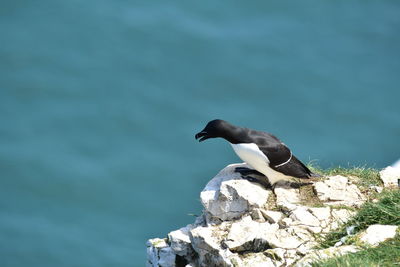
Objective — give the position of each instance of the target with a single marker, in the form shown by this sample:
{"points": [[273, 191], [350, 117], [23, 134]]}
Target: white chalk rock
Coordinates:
{"points": [[272, 216], [276, 254], [206, 241], [339, 217], [338, 190], [342, 215], [291, 257], [378, 233], [287, 196], [302, 216], [159, 253], [237, 229], [284, 238], [257, 215], [228, 196], [390, 176], [248, 235], [286, 222], [302, 233], [322, 214], [256, 260], [180, 241]]}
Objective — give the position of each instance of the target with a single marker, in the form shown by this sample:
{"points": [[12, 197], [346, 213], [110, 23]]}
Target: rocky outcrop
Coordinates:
{"points": [[377, 233], [246, 224], [390, 176], [338, 190]]}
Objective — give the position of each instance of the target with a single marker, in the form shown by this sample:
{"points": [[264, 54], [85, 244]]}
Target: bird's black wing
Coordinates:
{"points": [[276, 153], [280, 156], [294, 168]]}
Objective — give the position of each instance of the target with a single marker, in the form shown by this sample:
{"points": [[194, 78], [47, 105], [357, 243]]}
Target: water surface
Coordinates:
{"points": [[100, 101]]}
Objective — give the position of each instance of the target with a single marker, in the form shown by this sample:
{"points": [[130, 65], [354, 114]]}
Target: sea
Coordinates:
{"points": [[100, 101]]}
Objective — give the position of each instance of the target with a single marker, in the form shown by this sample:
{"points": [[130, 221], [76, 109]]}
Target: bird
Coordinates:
{"points": [[262, 151]]}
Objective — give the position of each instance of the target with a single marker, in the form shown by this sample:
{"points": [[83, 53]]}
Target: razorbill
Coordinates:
{"points": [[262, 151]]}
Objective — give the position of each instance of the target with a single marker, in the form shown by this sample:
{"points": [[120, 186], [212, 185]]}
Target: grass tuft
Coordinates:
{"points": [[387, 254], [385, 211]]}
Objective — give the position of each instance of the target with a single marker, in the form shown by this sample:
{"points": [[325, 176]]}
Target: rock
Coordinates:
{"points": [[337, 190], [339, 217], [302, 233], [378, 233], [205, 238], [276, 254], [291, 257], [248, 235], [318, 255], [377, 189], [206, 242], [159, 253], [390, 176], [257, 215], [272, 216], [239, 228], [284, 238], [228, 196], [242, 235], [286, 222], [256, 260], [342, 215], [302, 216], [180, 241], [282, 257], [322, 214], [286, 196]]}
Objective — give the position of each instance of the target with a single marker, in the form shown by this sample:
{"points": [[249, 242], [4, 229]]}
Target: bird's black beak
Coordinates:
{"points": [[201, 136]]}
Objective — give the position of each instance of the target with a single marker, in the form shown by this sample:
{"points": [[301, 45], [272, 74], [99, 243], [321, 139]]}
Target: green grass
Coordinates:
{"points": [[386, 254], [385, 211]]}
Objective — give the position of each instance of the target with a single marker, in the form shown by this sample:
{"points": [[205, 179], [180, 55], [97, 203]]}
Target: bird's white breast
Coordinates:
{"points": [[253, 156]]}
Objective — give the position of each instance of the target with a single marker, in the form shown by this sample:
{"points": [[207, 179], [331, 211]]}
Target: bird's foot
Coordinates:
{"points": [[262, 181], [251, 179], [247, 171], [254, 176]]}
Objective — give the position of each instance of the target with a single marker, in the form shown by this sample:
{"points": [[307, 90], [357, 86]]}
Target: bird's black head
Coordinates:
{"points": [[213, 129]]}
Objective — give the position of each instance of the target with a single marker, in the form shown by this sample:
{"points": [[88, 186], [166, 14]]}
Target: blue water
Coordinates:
{"points": [[100, 101]]}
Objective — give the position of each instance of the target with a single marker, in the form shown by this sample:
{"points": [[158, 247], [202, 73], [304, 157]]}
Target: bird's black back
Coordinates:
{"points": [[277, 153]]}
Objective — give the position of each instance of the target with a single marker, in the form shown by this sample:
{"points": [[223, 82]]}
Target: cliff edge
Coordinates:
{"points": [[246, 224]]}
